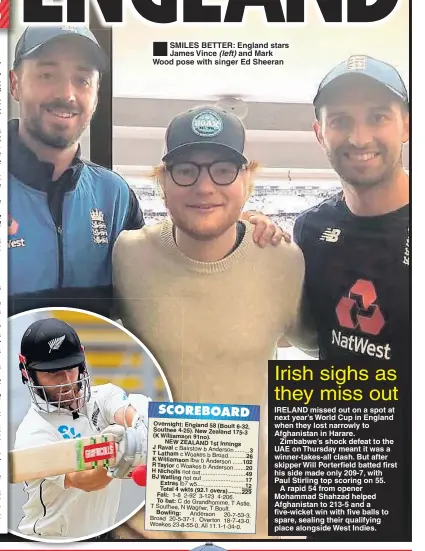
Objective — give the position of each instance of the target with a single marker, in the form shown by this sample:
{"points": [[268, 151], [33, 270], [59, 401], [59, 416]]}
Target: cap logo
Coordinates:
{"points": [[72, 28], [55, 344], [356, 63], [207, 124]]}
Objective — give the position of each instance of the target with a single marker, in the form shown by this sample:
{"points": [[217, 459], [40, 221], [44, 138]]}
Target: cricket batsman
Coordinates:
{"points": [[53, 367]]}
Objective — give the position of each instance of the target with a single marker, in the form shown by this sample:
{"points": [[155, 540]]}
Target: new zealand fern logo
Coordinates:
{"points": [[55, 344]]}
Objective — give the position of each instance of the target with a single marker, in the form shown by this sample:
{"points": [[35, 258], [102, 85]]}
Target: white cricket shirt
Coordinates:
{"points": [[52, 511]]}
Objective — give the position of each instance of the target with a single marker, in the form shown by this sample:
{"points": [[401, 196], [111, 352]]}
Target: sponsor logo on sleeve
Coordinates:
{"points": [[14, 242]]}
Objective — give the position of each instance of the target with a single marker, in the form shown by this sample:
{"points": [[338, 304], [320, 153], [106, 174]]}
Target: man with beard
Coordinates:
{"points": [[208, 303], [356, 244], [64, 212], [53, 367]]}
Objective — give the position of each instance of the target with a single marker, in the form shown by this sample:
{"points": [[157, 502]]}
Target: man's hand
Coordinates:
{"points": [[283, 343], [88, 481], [266, 231], [132, 447]]}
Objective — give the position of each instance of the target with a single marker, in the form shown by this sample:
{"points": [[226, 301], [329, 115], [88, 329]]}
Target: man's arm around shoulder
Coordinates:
{"points": [[301, 333]]}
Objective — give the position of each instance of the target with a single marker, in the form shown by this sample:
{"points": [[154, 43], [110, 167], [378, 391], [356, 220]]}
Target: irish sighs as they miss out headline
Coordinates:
{"points": [[339, 451], [224, 54]]}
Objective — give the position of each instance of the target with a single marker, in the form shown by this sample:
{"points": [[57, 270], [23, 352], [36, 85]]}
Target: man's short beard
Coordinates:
{"points": [[198, 236], [190, 231], [363, 182], [64, 399], [56, 141]]}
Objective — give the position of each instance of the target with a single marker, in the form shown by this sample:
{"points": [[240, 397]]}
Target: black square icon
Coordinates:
{"points": [[160, 49]]}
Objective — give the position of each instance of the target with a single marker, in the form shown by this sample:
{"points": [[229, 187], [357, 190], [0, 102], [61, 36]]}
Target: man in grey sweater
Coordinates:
{"points": [[209, 303]]}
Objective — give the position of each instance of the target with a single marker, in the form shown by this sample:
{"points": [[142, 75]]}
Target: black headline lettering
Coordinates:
{"points": [[194, 11]]}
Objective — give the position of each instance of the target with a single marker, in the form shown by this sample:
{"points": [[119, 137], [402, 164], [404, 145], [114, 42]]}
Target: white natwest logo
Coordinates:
{"points": [[108, 450]]}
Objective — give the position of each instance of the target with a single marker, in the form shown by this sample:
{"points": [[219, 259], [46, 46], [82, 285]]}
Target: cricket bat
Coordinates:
{"points": [[66, 456]]}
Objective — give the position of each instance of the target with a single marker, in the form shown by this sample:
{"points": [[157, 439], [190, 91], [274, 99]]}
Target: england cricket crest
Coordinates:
{"points": [[98, 227]]}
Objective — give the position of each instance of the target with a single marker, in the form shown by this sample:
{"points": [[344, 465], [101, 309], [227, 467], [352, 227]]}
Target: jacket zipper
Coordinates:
{"points": [[56, 210], [59, 233], [56, 201]]}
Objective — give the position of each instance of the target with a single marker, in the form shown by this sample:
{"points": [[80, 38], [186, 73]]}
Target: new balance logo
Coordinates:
{"points": [[331, 235], [55, 344]]}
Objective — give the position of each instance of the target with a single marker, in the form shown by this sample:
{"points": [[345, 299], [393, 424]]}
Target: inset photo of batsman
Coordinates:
{"points": [[80, 388]]}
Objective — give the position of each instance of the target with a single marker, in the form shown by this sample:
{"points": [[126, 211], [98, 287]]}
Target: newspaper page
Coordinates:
{"points": [[206, 332], [4, 11]]}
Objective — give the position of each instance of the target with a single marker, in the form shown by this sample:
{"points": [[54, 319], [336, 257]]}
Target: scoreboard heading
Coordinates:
{"points": [[111, 12]]}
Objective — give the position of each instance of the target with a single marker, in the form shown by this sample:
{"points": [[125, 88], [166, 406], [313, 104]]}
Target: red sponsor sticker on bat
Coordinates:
{"points": [[99, 452]]}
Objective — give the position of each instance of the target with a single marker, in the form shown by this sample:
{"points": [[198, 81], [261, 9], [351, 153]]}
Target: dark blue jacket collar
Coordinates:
{"points": [[26, 167]]}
